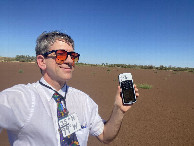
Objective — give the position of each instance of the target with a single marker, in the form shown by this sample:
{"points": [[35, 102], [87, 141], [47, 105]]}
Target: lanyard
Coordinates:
{"points": [[55, 90]]}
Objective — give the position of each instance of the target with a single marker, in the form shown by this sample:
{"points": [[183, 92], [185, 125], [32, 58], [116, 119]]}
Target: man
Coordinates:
{"points": [[51, 113]]}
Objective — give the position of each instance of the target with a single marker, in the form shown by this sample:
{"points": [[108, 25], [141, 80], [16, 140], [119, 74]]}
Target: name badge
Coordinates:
{"points": [[69, 124]]}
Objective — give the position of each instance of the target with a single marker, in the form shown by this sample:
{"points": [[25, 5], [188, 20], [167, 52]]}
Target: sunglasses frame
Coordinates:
{"points": [[68, 53]]}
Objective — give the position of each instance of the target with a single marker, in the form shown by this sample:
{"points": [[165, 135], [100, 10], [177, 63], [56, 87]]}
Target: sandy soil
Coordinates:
{"points": [[163, 115]]}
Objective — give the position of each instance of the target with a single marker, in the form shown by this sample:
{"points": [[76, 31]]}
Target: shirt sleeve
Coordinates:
{"points": [[96, 124], [14, 107]]}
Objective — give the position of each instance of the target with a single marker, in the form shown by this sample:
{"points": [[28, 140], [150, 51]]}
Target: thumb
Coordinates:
{"points": [[118, 90], [118, 99]]}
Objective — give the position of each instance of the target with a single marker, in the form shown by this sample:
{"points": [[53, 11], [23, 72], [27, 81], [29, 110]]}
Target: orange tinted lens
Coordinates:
{"points": [[61, 56], [59, 61], [76, 59], [74, 56]]}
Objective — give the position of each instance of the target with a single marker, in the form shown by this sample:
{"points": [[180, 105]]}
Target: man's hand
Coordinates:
{"points": [[118, 99], [111, 128]]}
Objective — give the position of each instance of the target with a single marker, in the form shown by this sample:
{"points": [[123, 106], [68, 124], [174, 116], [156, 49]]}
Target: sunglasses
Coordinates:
{"points": [[61, 55]]}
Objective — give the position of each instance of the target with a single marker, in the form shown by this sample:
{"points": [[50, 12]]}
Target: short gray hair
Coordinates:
{"points": [[46, 40]]}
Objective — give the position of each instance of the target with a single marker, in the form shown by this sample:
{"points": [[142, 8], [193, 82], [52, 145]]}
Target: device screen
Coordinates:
{"points": [[128, 95]]}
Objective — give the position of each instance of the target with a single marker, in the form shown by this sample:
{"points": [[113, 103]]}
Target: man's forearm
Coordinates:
{"points": [[112, 126]]}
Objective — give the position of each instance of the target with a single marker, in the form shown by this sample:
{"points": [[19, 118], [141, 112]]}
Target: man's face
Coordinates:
{"points": [[59, 72]]}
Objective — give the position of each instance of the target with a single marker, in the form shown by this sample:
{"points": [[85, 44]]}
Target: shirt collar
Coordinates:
{"points": [[62, 91]]}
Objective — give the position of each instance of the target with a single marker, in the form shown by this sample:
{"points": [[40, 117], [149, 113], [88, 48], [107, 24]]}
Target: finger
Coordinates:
{"points": [[137, 95], [118, 90], [135, 86]]}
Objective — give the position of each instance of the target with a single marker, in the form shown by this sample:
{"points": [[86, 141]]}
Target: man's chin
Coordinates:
{"points": [[67, 77]]}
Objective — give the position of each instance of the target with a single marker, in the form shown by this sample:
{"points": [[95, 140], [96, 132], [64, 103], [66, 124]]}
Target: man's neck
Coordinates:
{"points": [[56, 85]]}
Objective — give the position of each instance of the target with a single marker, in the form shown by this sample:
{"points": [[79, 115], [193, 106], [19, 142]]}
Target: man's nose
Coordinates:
{"points": [[69, 59]]}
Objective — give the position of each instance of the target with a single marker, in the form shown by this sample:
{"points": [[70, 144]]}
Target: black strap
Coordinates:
{"points": [[55, 90]]}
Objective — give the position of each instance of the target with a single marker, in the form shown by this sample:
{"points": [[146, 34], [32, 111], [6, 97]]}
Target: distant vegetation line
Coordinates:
{"points": [[27, 58], [19, 58], [161, 67]]}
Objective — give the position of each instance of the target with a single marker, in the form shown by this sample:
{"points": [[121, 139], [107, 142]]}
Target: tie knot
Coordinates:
{"points": [[57, 97]]}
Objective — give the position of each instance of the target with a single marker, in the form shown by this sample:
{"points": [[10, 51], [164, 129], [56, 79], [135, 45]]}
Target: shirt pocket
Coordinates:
{"points": [[83, 134], [84, 129]]}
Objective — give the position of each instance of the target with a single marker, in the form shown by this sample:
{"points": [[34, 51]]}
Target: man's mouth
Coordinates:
{"points": [[66, 68]]}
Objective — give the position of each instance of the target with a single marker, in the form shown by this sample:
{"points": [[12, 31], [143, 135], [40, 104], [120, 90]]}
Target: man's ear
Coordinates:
{"points": [[41, 62]]}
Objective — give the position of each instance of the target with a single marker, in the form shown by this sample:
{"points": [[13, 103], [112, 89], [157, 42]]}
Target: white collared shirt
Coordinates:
{"points": [[29, 113]]}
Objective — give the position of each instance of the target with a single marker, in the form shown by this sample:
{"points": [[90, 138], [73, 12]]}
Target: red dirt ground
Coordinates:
{"points": [[163, 115]]}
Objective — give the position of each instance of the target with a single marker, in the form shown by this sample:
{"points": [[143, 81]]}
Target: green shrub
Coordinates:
{"points": [[144, 86], [20, 71]]}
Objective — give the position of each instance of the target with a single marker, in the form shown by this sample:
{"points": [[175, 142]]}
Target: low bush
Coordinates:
{"points": [[144, 86]]}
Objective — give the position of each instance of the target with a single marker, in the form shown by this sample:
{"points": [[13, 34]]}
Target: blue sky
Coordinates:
{"points": [[142, 32]]}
